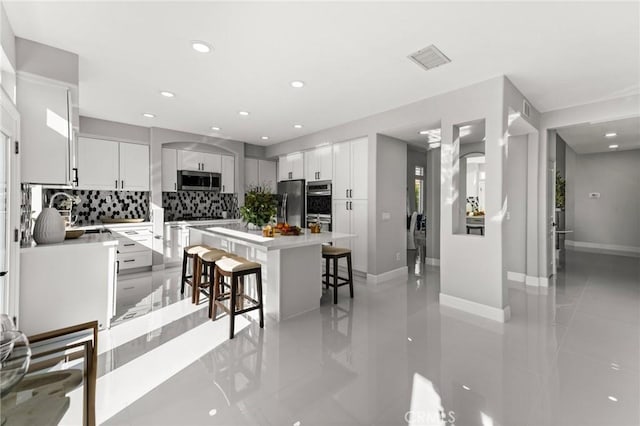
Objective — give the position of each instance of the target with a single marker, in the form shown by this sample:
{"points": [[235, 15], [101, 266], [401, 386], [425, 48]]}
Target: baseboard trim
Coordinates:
{"points": [[402, 272], [614, 249], [432, 261], [485, 311], [532, 281], [516, 276]]}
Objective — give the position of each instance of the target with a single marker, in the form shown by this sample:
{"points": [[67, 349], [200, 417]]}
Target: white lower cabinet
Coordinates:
{"points": [[135, 246], [350, 217]]}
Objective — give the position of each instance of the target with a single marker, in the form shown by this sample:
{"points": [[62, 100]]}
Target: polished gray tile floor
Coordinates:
{"points": [[569, 356]]}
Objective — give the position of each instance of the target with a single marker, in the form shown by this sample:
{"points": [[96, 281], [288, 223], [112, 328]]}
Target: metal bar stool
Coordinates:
{"points": [[189, 253], [335, 253], [235, 268], [205, 262]]}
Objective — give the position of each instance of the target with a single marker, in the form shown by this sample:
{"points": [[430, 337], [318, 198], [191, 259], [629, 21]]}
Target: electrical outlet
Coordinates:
{"points": [[397, 255]]}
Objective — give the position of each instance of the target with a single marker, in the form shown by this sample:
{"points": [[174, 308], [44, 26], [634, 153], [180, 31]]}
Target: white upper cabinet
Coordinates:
{"points": [[359, 169], [212, 162], [318, 164], [350, 169], [260, 172], [228, 173], [109, 165], [134, 167], [342, 170], [267, 174], [45, 143], [291, 167], [98, 162], [169, 170], [190, 160], [251, 172], [199, 161]]}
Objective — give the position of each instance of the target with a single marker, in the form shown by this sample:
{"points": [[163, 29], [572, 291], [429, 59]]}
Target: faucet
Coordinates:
{"points": [[70, 221], [69, 197]]}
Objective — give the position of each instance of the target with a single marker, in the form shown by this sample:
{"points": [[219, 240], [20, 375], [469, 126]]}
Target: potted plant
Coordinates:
{"points": [[259, 206]]}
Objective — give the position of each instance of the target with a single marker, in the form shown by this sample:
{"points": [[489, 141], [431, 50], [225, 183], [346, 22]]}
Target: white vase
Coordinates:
{"points": [[49, 227]]}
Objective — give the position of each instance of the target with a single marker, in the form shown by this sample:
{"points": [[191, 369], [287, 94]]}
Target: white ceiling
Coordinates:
{"points": [[353, 57], [588, 138]]}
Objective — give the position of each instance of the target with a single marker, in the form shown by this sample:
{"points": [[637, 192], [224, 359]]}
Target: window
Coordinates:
{"points": [[419, 189], [419, 195]]}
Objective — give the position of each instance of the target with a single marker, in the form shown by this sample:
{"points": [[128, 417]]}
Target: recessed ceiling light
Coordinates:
{"points": [[613, 146], [215, 128], [297, 84], [612, 398], [149, 115], [200, 46], [410, 339], [265, 138], [244, 113], [465, 387], [610, 135], [167, 94], [424, 132], [297, 126]]}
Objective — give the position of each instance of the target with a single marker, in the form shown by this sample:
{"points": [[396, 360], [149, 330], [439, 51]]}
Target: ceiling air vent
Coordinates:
{"points": [[429, 57]]}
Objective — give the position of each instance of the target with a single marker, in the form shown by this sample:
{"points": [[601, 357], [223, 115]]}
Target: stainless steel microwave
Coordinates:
{"points": [[188, 180]]}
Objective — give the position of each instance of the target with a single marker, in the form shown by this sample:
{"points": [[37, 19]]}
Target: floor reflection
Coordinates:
{"points": [[373, 359]]}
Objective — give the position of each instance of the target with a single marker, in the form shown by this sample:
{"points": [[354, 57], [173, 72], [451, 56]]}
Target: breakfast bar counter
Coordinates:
{"points": [[291, 265]]}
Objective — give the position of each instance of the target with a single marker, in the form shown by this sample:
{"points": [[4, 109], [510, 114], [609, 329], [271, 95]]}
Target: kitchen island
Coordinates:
{"points": [[291, 265]]}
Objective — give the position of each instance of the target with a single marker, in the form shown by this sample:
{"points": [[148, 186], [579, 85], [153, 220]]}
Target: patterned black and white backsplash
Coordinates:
{"points": [[94, 205], [198, 204]]}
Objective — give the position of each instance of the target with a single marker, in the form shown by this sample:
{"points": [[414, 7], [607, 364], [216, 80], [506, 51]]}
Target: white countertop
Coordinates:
{"points": [[202, 222], [113, 225], [104, 239], [255, 238]]}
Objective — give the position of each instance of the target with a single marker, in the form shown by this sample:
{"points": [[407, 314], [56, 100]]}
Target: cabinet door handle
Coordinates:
{"points": [[222, 188], [350, 205], [129, 245], [351, 193], [175, 186], [121, 184], [75, 172], [129, 260], [116, 183], [117, 266], [346, 205]]}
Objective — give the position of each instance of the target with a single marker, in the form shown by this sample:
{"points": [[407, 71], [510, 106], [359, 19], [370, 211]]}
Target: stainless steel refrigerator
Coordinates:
{"points": [[291, 202]]}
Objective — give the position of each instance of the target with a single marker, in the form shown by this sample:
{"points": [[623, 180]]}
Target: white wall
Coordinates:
{"points": [[516, 228], [391, 243], [7, 37], [432, 210], [614, 218], [47, 61]]}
